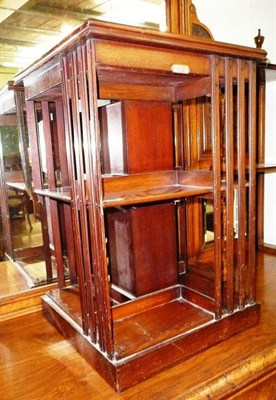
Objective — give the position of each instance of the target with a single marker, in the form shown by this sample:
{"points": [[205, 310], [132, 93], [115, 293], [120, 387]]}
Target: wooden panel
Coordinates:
{"points": [[198, 88], [156, 325], [133, 56], [196, 178], [46, 80], [139, 181], [146, 302], [149, 136], [142, 248], [113, 139], [142, 188], [137, 137], [123, 91]]}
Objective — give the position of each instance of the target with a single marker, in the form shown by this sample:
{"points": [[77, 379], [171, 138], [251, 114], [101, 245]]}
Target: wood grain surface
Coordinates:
{"points": [[37, 363]]}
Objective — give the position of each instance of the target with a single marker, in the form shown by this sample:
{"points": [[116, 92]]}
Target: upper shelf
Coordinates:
{"points": [[158, 186], [62, 194], [151, 85], [266, 168]]}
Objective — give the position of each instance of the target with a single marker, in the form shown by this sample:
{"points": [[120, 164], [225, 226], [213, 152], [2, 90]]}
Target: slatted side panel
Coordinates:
{"points": [[229, 155], [84, 168], [94, 194], [76, 174], [216, 145], [239, 268]]}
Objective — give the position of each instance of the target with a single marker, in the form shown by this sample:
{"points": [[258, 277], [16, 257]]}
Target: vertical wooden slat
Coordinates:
{"points": [[252, 179], [48, 144], [70, 114], [37, 183], [96, 210], [261, 155], [230, 184], [178, 135], [65, 182], [181, 236], [51, 185], [216, 144], [34, 149], [61, 143], [22, 132], [187, 145], [241, 183]]}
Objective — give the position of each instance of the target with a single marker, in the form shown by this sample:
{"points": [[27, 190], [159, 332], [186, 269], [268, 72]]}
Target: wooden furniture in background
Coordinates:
{"points": [[266, 74]]}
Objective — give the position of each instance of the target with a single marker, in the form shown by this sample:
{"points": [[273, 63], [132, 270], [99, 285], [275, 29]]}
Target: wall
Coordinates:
{"points": [[237, 21]]}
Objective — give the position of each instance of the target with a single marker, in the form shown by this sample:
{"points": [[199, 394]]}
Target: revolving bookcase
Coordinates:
{"points": [[158, 186]]}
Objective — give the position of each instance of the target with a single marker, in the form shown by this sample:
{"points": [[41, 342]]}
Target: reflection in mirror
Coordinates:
{"points": [[208, 212], [22, 211], [22, 240]]}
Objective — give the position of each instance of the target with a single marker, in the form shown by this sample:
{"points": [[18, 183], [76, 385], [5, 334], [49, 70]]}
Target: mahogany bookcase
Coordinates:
{"points": [[132, 133]]}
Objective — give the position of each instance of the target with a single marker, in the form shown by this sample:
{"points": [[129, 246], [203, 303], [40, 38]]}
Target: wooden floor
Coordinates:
{"points": [[38, 364], [11, 281]]}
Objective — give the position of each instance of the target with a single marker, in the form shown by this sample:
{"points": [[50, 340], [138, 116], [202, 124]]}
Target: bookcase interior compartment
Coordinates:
{"points": [[136, 137], [142, 247]]}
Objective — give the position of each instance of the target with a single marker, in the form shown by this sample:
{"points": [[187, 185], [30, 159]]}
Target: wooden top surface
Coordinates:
{"points": [[142, 37], [37, 363]]}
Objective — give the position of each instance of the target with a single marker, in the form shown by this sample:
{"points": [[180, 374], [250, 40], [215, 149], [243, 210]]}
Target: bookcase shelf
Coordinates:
{"points": [[147, 188]]}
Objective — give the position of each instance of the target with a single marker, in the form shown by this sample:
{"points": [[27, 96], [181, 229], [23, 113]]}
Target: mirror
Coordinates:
{"points": [[21, 236], [22, 233]]}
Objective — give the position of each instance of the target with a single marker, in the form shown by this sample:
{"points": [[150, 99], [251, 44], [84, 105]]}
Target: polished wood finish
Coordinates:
{"points": [[11, 280], [242, 367], [182, 18], [142, 247], [136, 241], [16, 297]]}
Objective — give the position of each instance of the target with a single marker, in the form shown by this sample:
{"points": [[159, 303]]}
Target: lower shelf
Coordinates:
{"points": [[164, 330]]}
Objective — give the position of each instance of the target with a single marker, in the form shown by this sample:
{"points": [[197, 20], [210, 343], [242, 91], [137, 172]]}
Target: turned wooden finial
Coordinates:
{"points": [[259, 39]]}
